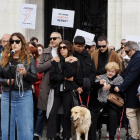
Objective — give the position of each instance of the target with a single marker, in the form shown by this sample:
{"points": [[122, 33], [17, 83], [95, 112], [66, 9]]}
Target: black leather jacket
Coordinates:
{"points": [[30, 78]]}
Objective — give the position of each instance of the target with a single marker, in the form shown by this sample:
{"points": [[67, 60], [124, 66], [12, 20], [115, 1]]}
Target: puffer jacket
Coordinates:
{"points": [[30, 77]]}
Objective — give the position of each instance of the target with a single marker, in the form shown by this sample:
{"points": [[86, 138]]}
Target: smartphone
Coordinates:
{"points": [[20, 66]]}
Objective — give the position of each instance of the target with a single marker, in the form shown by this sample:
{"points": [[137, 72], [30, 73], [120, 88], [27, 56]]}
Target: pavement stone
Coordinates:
{"points": [[103, 136]]}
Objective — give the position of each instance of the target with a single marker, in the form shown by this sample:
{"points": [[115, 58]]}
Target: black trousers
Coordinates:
{"points": [[113, 119], [65, 98]]}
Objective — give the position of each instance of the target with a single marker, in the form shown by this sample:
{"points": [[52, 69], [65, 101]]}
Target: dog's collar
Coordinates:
{"points": [[76, 126]]}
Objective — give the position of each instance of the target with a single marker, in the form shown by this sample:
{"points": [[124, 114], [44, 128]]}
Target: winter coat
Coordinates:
{"points": [[132, 81], [30, 77], [44, 65], [113, 57]]}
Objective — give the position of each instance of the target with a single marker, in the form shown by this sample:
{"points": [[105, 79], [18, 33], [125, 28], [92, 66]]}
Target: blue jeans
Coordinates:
{"points": [[40, 122], [21, 113]]}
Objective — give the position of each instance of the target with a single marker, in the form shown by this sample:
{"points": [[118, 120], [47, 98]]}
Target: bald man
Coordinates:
{"points": [[5, 39]]}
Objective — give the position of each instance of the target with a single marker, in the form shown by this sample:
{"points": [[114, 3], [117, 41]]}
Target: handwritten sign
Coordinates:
{"points": [[27, 17], [64, 18], [88, 36], [133, 38]]}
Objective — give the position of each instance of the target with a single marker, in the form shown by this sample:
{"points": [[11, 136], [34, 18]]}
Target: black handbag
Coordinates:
{"points": [[75, 101]]}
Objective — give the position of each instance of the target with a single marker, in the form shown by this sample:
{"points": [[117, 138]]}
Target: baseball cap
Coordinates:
{"points": [[90, 43]]}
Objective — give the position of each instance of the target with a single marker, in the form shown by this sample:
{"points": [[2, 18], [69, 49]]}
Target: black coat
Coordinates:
{"points": [[57, 77], [30, 78], [88, 67], [132, 81]]}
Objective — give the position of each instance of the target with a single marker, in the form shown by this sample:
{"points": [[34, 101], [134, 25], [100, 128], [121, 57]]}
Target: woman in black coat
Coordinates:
{"points": [[62, 75]]}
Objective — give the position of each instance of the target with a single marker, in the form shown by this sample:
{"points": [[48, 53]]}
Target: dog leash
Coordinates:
{"points": [[82, 102]]}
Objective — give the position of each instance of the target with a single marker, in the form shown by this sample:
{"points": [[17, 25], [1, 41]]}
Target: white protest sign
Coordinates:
{"points": [[133, 38], [64, 18], [88, 36], [27, 17]]}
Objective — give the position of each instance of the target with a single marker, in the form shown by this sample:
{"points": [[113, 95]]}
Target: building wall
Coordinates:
{"points": [[9, 19], [123, 19]]}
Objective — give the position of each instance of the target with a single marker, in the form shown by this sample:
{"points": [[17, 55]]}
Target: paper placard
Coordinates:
{"points": [[133, 38], [64, 18], [88, 36], [27, 17]]}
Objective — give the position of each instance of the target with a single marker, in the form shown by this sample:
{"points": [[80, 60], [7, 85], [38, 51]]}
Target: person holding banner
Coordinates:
{"points": [[23, 74]]}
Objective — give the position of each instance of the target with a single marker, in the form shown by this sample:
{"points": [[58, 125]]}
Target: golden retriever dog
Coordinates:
{"points": [[81, 118]]}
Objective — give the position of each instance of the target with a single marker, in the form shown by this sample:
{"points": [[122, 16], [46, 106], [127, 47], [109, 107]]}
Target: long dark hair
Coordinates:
{"points": [[69, 47]]}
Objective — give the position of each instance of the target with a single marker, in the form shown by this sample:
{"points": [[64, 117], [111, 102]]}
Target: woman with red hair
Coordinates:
{"points": [[34, 52]]}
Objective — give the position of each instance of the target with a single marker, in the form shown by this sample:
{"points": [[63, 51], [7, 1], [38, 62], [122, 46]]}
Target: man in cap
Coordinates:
{"points": [[90, 46]]}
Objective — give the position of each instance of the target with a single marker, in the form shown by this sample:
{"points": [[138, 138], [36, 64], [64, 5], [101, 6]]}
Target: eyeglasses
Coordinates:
{"points": [[16, 41], [87, 47], [53, 38], [103, 46], [63, 47], [127, 51], [122, 47]]}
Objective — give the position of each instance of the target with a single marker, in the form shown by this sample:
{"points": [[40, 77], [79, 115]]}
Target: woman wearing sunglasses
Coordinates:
{"points": [[23, 73], [62, 75]]}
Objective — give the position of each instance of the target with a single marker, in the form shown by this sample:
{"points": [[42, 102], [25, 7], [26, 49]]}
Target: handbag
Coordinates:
{"points": [[116, 99], [75, 101]]}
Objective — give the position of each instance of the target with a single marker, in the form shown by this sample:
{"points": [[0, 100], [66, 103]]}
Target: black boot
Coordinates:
{"points": [[36, 138]]}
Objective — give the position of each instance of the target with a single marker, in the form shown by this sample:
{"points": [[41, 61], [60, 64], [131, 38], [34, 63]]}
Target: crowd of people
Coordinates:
{"points": [[43, 79]]}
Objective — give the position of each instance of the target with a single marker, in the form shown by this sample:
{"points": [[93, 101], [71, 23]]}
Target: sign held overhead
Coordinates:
{"points": [[27, 17], [64, 18]]}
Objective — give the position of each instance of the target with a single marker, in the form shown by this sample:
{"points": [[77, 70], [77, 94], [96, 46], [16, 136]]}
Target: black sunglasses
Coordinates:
{"points": [[16, 41], [88, 47], [53, 38], [122, 47], [103, 46], [63, 47], [127, 51]]}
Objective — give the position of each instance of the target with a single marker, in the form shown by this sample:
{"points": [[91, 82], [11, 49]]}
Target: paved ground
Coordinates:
{"points": [[103, 137]]}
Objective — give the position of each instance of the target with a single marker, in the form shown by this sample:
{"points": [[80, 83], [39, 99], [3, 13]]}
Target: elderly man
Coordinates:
{"points": [[4, 40], [130, 86], [49, 54], [90, 46]]}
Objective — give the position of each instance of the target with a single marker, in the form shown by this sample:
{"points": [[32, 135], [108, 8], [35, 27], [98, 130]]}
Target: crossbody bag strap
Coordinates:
{"points": [[108, 56]]}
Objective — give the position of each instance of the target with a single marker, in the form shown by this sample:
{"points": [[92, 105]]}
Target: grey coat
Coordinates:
{"points": [[103, 94], [44, 65]]}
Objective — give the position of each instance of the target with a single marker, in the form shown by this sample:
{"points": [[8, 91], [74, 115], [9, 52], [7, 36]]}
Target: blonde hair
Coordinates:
{"points": [[112, 65]]}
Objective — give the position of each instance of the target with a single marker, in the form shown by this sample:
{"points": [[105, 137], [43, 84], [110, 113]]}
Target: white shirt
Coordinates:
{"points": [[54, 52]]}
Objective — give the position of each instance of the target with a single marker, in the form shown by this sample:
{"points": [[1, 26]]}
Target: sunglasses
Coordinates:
{"points": [[103, 46], [122, 47], [64, 47], [88, 47], [127, 51], [16, 41], [53, 38]]}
